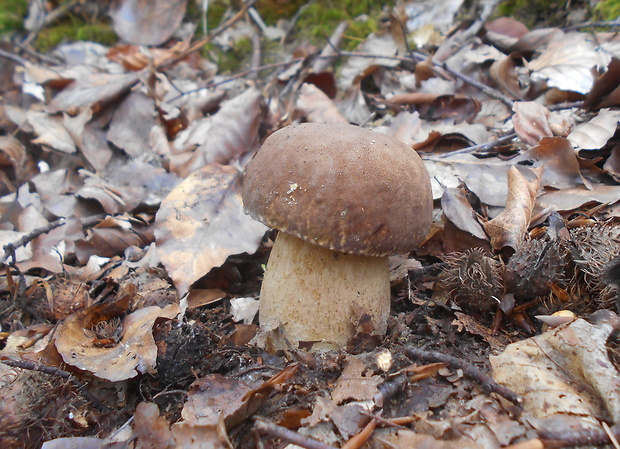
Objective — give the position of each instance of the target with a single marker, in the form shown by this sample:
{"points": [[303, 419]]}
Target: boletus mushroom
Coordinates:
{"points": [[343, 199]]}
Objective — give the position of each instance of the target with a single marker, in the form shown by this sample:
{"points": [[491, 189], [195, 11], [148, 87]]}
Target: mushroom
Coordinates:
{"points": [[343, 199]]}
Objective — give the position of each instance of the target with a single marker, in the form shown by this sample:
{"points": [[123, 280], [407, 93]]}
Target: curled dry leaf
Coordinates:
{"points": [[504, 72], [594, 134], [135, 351], [510, 226], [459, 211], [531, 121], [202, 222], [565, 371]]}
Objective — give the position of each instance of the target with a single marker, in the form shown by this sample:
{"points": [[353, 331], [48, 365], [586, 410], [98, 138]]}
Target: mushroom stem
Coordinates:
{"points": [[316, 294]]}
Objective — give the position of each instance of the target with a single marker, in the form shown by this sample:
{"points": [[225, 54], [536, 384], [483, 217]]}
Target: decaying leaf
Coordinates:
{"points": [[510, 226], [202, 222], [354, 383], [565, 370], [135, 351]]}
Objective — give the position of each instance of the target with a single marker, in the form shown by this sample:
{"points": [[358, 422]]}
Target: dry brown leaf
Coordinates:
{"points": [[504, 72], [559, 162], [531, 121], [510, 226], [354, 384], [382, 43], [201, 437], [573, 199], [147, 22], [135, 352], [594, 134], [458, 210], [91, 89], [569, 63], [564, 371], [317, 106], [408, 439], [211, 397], [51, 131], [151, 430], [226, 136], [131, 124], [202, 222]]}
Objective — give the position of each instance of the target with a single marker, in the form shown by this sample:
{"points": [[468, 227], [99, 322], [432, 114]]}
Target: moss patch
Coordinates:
{"points": [[607, 10], [12, 15], [49, 37]]}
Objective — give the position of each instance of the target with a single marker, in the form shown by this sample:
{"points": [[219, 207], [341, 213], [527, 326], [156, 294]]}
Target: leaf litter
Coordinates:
{"points": [[130, 276]]}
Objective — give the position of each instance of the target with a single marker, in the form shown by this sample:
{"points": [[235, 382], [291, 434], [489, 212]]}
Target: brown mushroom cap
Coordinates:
{"points": [[341, 187]]}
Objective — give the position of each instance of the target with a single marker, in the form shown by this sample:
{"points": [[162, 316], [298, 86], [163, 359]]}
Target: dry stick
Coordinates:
{"points": [[482, 146], [271, 429], [205, 40], [469, 370], [53, 371], [477, 84], [9, 248]]}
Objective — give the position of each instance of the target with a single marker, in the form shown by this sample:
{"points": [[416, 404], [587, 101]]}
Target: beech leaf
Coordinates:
{"points": [[510, 226], [202, 222]]}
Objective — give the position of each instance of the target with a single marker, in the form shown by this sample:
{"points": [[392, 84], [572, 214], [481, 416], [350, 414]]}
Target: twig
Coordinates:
{"points": [[271, 429], [469, 370], [482, 146], [205, 40], [478, 85], [13, 57], [566, 437], [9, 248], [53, 371], [600, 24]]}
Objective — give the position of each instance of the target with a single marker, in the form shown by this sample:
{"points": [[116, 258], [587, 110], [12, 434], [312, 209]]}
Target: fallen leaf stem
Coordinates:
{"points": [[271, 429], [53, 371], [486, 382]]}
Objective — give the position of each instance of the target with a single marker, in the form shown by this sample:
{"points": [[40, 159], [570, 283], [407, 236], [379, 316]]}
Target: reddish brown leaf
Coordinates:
{"points": [[531, 121]]}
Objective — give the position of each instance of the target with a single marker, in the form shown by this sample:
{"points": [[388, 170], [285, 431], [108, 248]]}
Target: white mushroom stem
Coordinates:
{"points": [[316, 294]]}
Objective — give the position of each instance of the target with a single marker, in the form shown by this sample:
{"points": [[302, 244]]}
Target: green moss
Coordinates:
{"points": [[12, 15], [320, 19], [50, 37], [534, 13], [232, 60], [607, 10]]}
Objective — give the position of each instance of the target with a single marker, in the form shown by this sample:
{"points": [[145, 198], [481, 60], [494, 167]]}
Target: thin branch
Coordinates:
{"points": [[478, 85], [53, 371], [487, 383], [13, 57], [205, 40], [483, 146], [271, 429], [9, 248]]}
